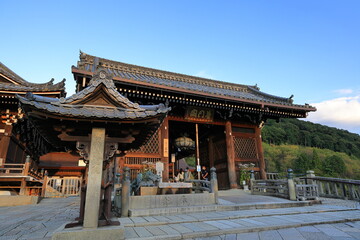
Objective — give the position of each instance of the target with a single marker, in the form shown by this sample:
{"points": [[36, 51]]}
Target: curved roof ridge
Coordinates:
{"points": [[136, 69], [9, 73], [282, 99], [19, 80]]}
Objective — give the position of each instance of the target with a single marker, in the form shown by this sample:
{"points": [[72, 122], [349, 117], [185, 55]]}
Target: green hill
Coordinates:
{"points": [[302, 146]]}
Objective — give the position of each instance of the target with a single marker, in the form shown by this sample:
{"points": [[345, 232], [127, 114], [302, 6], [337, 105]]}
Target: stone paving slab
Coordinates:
{"points": [[336, 220], [269, 228]]}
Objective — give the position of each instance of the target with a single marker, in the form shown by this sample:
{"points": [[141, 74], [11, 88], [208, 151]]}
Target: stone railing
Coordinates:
{"points": [[277, 188], [289, 187], [335, 187]]}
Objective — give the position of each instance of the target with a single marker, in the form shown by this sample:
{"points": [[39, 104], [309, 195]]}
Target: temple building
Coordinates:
{"points": [[17, 173], [211, 123]]}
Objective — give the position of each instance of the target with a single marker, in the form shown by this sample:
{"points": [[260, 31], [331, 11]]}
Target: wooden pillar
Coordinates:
{"points": [[165, 148], [4, 143], [23, 190], [211, 151], [230, 155], [260, 153], [93, 191]]}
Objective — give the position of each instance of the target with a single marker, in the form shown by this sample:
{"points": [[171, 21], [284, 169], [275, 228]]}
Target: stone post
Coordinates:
{"points": [[291, 185], [125, 193], [309, 175], [93, 191], [214, 184], [252, 179]]}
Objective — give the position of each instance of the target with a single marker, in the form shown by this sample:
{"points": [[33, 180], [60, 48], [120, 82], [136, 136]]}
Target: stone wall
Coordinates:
{"points": [[9, 201], [173, 200]]}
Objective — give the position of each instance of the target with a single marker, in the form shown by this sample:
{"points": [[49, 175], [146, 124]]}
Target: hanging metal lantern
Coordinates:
{"points": [[184, 143]]}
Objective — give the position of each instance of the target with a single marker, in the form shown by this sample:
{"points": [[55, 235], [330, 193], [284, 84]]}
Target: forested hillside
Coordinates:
{"points": [[297, 132], [303, 146]]}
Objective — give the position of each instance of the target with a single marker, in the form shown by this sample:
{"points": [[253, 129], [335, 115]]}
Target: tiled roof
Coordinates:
{"points": [[73, 107], [161, 78], [19, 84]]}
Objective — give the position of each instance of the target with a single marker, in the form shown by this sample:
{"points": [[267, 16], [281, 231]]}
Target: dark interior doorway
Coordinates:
{"points": [[212, 148]]}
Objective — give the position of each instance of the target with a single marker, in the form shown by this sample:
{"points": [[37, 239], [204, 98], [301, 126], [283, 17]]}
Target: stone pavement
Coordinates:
{"points": [[37, 221], [336, 219]]}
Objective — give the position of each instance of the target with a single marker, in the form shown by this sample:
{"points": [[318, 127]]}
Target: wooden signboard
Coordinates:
{"points": [[166, 147], [199, 114]]}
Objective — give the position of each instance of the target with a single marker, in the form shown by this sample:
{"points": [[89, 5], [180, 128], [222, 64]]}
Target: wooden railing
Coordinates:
{"points": [[336, 187], [22, 169], [12, 169]]}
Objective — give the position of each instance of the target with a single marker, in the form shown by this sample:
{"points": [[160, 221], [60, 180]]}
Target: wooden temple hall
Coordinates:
{"points": [[152, 115], [211, 123]]}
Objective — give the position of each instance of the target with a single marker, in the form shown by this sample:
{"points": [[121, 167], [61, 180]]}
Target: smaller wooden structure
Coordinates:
{"points": [[98, 122]]}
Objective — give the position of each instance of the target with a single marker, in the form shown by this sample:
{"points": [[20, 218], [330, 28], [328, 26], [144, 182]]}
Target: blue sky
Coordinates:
{"points": [[307, 48]]}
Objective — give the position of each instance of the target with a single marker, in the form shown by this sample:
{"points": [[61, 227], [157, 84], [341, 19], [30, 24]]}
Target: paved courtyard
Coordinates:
{"points": [[336, 219]]}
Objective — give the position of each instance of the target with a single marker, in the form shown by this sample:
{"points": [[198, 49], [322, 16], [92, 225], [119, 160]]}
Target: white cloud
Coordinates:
{"points": [[341, 112], [344, 91], [204, 74]]}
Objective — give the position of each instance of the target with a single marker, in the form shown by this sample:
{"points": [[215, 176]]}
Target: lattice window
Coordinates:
{"points": [[152, 146], [245, 148]]}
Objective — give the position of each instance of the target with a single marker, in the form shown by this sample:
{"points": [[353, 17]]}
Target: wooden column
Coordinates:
{"points": [[165, 148], [93, 190], [230, 155], [211, 151], [23, 190], [4, 143], [260, 153]]}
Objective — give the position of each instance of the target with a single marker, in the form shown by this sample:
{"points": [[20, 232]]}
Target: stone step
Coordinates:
{"points": [[225, 215], [237, 225], [209, 208]]}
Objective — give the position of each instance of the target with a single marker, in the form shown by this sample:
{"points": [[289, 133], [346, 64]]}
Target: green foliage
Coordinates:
{"points": [[191, 161], [324, 162], [297, 132], [334, 166], [303, 163]]}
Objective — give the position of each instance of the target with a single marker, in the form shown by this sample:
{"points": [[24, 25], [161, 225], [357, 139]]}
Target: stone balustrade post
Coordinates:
{"points": [[291, 185], [309, 175], [214, 184], [125, 193], [252, 178]]}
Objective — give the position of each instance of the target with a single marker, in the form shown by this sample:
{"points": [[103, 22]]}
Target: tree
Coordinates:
{"points": [[334, 166], [303, 163]]}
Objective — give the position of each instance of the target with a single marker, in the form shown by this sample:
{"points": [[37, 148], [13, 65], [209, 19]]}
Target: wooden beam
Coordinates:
{"points": [[164, 139], [260, 153], [230, 155]]}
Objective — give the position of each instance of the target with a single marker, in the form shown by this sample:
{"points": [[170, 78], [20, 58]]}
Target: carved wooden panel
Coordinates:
{"points": [[245, 148]]}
